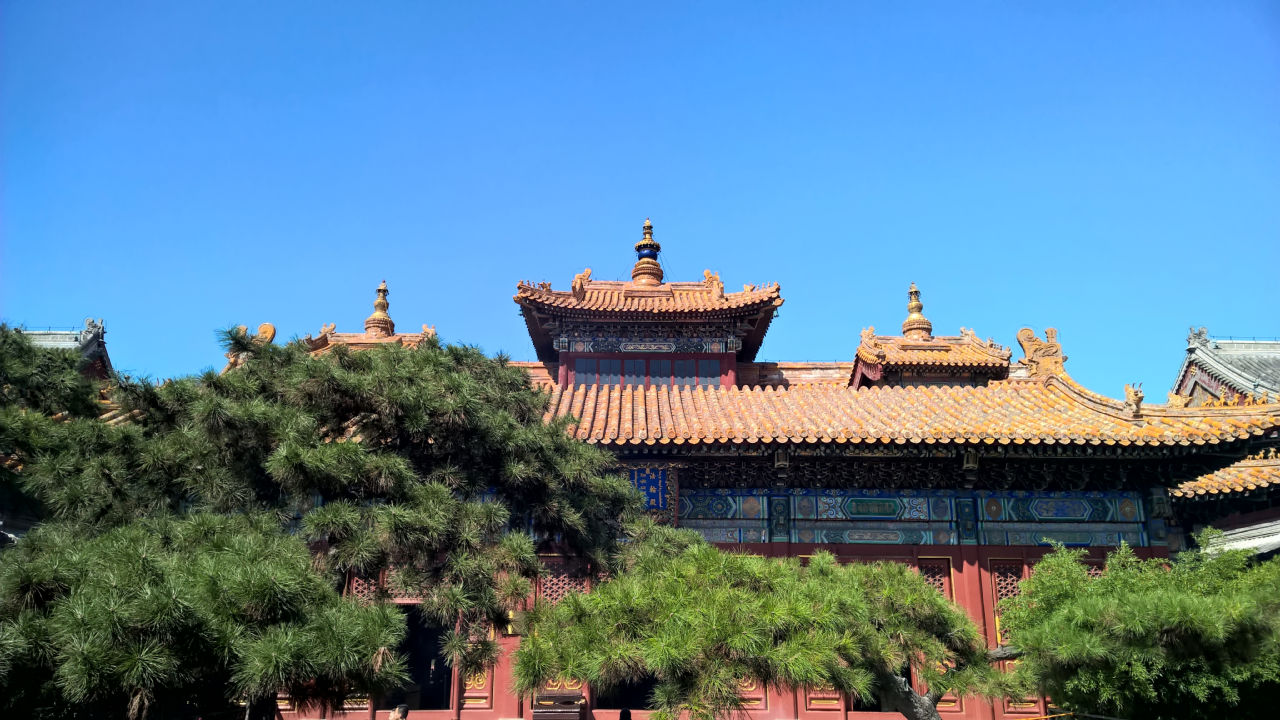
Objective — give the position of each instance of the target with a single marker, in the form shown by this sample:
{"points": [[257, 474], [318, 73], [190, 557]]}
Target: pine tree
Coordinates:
{"points": [[1149, 639], [181, 618], [35, 385], [700, 622], [431, 466]]}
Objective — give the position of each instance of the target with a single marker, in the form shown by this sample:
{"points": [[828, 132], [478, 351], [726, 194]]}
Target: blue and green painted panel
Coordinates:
{"points": [[936, 517]]}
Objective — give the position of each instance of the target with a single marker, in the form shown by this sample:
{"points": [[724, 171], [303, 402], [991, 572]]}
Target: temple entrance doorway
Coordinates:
{"points": [[429, 686]]}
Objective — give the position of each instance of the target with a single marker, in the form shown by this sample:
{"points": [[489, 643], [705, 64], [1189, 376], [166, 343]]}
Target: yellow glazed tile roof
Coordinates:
{"points": [[1252, 473], [667, 299], [918, 347], [1041, 410], [646, 295], [964, 350]]}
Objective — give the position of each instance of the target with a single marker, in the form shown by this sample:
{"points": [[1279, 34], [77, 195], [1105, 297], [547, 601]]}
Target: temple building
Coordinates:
{"points": [[1243, 499], [1227, 371], [90, 341], [939, 451]]}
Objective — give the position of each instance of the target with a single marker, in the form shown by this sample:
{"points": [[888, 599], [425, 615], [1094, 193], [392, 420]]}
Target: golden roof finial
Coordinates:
{"points": [[379, 323], [916, 326], [647, 271]]}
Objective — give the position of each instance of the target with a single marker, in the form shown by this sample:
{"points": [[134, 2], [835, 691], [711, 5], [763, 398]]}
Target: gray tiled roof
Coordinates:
{"points": [[1246, 365], [90, 341]]}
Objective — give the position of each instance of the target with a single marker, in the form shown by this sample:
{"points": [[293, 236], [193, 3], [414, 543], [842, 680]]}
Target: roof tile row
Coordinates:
{"points": [[678, 297], [1007, 412], [1252, 473]]}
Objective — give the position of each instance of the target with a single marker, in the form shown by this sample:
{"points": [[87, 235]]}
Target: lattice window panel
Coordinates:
{"points": [[938, 574], [554, 586], [366, 589], [363, 589], [1094, 570], [1005, 577]]}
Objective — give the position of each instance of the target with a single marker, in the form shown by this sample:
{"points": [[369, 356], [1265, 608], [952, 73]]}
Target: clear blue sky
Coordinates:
{"points": [[1108, 169]]}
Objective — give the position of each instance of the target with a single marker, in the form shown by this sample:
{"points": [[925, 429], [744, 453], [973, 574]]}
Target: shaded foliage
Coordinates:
{"points": [[701, 621], [179, 618], [433, 461], [1151, 639], [43, 380]]}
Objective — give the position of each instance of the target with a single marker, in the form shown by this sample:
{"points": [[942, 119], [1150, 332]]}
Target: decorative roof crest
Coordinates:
{"points": [[93, 329], [647, 270], [579, 286], [871, 349], [712, 280], [1230, 398], [1043, 357], [266, 334], [1198, 337], [916, 326], [1133, 396], [989, 344], [379, 324]]}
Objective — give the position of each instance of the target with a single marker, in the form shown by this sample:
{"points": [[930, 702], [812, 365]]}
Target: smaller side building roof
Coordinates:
{"points": [[1256, 472], [1239, 373], [919, 349], [90, 341], [1243, 366]]}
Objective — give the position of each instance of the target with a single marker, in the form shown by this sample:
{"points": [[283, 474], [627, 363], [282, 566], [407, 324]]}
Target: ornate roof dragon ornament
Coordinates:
{"points": [[871, 349], [712, 281], [579, 286], [266, 333], [1043, 357], [1133, 399]]}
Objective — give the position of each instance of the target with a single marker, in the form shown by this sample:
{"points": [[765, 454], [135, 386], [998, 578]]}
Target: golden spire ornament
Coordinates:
{"points": [[916, 326], [647, 270], [379, 324]]}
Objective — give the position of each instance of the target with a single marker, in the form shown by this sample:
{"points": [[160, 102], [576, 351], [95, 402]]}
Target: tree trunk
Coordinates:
{"points": [[896, 695], [1004, 652], [458, 684], [458, 689]]}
